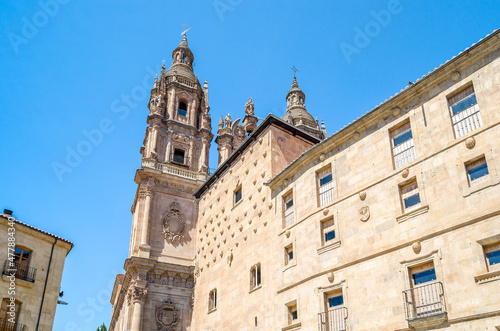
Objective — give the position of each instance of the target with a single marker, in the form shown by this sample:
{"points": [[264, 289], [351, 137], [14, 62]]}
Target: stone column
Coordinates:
{"points": [[203, 155], [171, 104], [191, 152], [192, 114], [169, 145], [138, 298], [154, 140], [144, 246]]}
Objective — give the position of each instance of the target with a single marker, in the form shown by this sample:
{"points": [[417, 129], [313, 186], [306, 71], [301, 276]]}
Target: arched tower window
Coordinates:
{"points": [[182, 109]]}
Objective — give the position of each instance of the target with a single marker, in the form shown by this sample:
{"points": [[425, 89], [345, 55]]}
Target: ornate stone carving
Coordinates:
{"points": [[180, 138], [249, 107], [455, 76], [364, 213], [228, 121], [137, 294], [156, 103], [396, 111], [167, 316], [362, 196], [470, 142], [356, 135], [405, 173], [330, 277], [322, 157], [325, 211], [417, 247], [151, 278], [174, 223], [141, 275]]}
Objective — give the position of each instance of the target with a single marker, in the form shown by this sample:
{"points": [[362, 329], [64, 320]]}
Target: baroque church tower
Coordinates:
{"points": [[156, 291]]}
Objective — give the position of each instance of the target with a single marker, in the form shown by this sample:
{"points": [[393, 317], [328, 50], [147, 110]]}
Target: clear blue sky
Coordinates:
{"points": [[64, 70]]}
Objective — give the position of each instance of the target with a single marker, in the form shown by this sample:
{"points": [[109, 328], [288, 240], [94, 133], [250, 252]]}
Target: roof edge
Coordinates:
{"points": [[269, 120]]}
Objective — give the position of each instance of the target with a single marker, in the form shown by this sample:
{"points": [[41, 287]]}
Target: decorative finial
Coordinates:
{"points": [[156, 78], [163, 65], [186, 29], [294, 70]]}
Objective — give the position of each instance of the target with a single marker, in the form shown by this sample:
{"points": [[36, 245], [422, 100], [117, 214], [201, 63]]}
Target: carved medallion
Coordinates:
{"points": [[470, 142], [174, 223], [167, 316], [417, 247], [455, 76], [330, 277], [364, 213]]}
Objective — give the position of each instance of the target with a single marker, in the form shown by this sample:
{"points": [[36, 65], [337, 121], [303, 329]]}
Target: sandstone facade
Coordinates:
{"points": [[37, 275], [392, 223]]}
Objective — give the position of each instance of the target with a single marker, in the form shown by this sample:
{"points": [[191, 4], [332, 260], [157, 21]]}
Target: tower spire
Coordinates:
{"points": [[296, 112]]}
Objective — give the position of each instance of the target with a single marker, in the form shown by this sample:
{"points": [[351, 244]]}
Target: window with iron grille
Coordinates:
{"points": [[410, 197], [465, 113], [325, 186], [477, 171], [403, 149], [288, 209]]}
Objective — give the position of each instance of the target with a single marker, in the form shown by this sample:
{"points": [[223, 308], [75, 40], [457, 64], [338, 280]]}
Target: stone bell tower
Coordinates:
{"points": [[155, 293]]}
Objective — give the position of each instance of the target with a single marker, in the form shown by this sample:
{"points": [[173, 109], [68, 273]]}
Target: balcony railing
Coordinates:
{"points": [[333, 320], [21, 271], [174, 170], [424, 301], [5, 325]]}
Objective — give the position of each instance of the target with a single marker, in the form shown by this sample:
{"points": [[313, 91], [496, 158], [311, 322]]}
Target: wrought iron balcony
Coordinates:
{"points": [[20, 270], [425, 302], [5, 325], [333, 320]]}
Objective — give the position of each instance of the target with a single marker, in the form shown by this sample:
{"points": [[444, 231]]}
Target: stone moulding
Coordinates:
{"points": [[487, 277], [414, 213], [328, 247]]}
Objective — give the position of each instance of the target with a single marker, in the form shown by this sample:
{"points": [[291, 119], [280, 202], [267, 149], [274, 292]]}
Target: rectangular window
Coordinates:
{"points": [[335, 301], [288, 207], [212, 300], [178, 156], [477, 171], [237, 195], [423, 274], [182, 109], [465, 113], [293, 313], [492, 253], [288, 254], [403, 149], [325, 181], [410, 196], [255, 277], [328, 230]]}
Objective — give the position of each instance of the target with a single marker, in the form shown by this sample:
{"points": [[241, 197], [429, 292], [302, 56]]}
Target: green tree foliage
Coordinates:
{"points": [[102, 328]]}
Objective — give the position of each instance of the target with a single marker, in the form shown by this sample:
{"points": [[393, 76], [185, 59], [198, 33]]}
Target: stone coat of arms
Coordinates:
{"points": [[167, 316], [174, 223]]}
